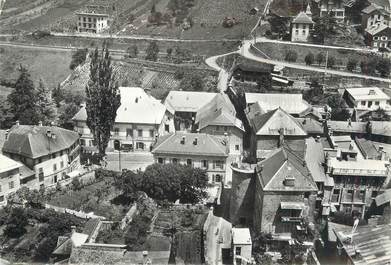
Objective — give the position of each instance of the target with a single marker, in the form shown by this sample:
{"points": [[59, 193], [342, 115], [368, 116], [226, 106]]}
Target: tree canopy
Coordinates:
{"points": [[103, 98], [152, 51], [167, 182]]}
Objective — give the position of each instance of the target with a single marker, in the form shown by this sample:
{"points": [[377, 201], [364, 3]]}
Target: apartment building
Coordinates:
{"points": [[48, 151], [198, 150], [140, 119], [9, 178]]}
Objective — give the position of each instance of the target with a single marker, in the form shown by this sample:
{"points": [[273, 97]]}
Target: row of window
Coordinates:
{"points": [[129, 132], [89, 19], [11, 185], [364, 103], [380, 38], [297, 32], [217, 164]]}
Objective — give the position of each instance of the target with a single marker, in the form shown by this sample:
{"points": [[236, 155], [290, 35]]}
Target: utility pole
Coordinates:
{"points": [[119, 159]]}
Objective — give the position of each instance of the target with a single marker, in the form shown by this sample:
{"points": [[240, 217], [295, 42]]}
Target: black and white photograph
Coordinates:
{"points": [[195, 132]]}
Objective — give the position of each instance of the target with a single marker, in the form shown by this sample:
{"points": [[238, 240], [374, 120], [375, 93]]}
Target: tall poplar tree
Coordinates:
{"points": [[22, 99], [46, 106], [103, 98]]}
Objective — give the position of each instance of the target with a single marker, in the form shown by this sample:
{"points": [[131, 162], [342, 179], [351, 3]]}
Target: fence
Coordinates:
{"points": [[79, 214]]}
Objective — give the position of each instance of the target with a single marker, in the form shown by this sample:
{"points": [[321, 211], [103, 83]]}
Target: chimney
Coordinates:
{"points": [[40, 123], [372, 92], [195, 142], [317, 139], [17, 123], [198, 130], [349, 122], [136, 100], [73, 229], [281, 138], [381, 148], [183, 141]]}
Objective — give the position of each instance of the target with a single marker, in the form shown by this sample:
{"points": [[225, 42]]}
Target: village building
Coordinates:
{"points": [[335, 8], [374, 15], [94, 17], [378, 36], [185, 105], [222, 123], [252, 72], [285, 192], [49, 154], [9, 178], [357, 181], [140, 119], [241, 245], [198, 150], [367, 245], [301, 26], [367, 98], [294, 104], [273, 129]]}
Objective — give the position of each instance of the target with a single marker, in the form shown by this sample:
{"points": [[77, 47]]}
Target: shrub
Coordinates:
{"points": [[291, 56], [320, 58], [383, 67], [309, 58], [152, 51], [351, 64], [330, 61]]}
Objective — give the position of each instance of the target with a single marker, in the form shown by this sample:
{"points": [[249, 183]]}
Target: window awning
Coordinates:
{"points": [[292, 205]]}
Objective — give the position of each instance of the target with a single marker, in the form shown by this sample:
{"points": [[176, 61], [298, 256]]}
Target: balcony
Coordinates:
{"points": [[358, 172], [291, 219]]}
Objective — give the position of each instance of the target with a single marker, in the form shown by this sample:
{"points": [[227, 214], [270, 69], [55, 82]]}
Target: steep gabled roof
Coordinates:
{"points": [[134, 101], [220, 101], [220, 117], [31, 141], [302, 18], [292, 103], [283, 163], [187, 101], [207, 145], [271, 122]]}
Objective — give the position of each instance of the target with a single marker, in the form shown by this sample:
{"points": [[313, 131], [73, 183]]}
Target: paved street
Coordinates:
{"points": [[130, 160]]}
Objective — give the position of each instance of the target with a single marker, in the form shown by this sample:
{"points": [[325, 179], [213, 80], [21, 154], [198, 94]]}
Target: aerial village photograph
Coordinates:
{"points": [[205, 132]]}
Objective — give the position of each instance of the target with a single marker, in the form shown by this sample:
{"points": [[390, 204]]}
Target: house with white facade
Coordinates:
{"points": [[198, 150], [367, 98], [140, 119], [335, 8], [241, 245], [49, 154], [374, 15], [301, 26], [9, 178]]}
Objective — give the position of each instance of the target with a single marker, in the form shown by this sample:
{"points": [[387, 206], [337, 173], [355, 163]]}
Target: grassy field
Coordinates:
{"points": [[52, 66], [278, 51]]}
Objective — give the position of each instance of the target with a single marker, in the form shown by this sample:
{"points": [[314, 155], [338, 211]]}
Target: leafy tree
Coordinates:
{"points": [[132, 51], [351, 64], [181, 55], [320, 58], [380, 115], [166, 182], [340, 114], [136, 235], [16, 223], [23, 98], [78, 58], [330, 61], [324, 28], [192, 81], [6, 115], [169, 53], [368, 66], [152, 51], [45, 103], [103, 98], [315, 94], [383, 67], [291, 56], [76, 184], [309, 58]]}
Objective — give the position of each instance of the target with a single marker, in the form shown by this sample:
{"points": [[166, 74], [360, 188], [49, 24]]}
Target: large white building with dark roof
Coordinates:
{"points": [[48, 154], [140, 119]]}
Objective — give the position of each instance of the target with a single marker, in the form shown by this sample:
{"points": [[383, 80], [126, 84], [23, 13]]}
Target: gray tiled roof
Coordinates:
{"points": [[31, 141]]}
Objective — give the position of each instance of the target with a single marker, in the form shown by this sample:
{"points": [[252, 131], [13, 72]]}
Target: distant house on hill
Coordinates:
{"points": [[374, 15], [94, 17], [334, 8], [301, 26], [379, 36], [140, 119]]}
